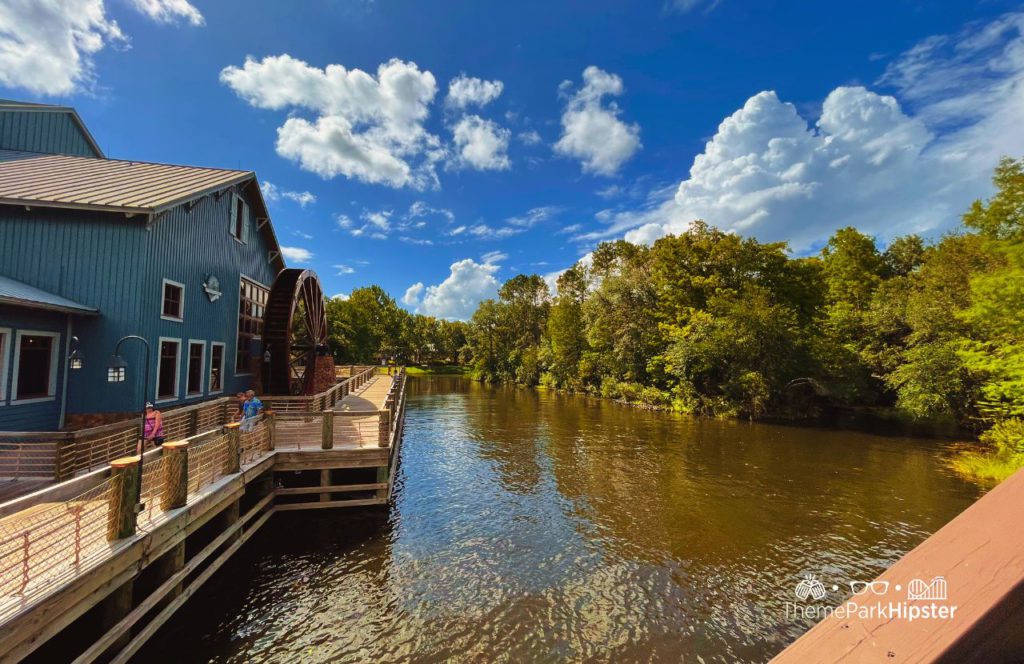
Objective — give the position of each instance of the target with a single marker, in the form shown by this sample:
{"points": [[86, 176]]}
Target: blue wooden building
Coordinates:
{"points": [[93, 249]]}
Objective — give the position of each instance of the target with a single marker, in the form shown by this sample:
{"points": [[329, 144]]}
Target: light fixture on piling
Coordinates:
{"points": [[75, 358], [116, 369]]}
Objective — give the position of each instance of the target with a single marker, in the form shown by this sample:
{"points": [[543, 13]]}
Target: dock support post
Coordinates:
{"points": [[327, 434], [175, 492], [116, 606], [325, 480], [233, 465], [271, 424], [382, 478], [384, 428], [122, 513], [167, 566]]}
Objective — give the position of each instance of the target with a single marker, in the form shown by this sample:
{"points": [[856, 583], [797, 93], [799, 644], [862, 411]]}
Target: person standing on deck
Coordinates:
{"points": [[240, 413], [251, 411], [153, 428]]}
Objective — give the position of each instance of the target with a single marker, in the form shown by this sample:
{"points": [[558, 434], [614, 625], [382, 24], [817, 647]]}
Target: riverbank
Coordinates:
{"points": [[438, 370]]}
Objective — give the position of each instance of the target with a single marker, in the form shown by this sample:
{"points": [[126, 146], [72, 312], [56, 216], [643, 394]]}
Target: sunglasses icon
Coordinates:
{"points": [[876, 587]]}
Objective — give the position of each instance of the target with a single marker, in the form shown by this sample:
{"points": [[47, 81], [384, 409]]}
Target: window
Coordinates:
{"points": [[216, 367], [5, 340], [194, 375], [239, 212], [252, 302], [35, 366], [173, 301], [167, 369]]}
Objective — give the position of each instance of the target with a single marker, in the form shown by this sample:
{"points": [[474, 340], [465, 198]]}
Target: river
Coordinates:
{"points": [[536, 527]]}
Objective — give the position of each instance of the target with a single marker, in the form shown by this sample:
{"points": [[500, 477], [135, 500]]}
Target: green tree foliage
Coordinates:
{"points": [[723, 325]]}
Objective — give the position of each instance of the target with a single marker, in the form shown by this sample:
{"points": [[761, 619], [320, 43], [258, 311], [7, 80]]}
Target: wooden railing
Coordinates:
{"points": [[58, 538], [60, 455]]}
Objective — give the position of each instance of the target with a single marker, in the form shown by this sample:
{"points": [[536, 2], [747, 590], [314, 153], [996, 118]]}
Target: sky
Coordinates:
{"points": [[438, 149]]}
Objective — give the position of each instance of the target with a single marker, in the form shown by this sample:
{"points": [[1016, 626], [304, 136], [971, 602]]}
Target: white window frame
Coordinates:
{"points": [[209, 373], [202, 368], [5, 347], [54, 364], [238, 322], [163, 294], [177, 371]]}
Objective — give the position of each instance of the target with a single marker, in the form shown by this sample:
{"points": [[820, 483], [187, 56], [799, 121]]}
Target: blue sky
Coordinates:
{"points": [[567, 123]]}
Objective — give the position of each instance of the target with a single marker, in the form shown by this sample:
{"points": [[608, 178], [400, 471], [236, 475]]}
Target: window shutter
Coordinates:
{"points": [[231, 215], [245, 220]]}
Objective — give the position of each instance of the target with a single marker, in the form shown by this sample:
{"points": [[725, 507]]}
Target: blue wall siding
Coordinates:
{"points": [[187, 246], [35, 415], [117, 265], [43, 131]]}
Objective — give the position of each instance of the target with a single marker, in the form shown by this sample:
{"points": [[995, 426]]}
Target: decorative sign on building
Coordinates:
{"points": [[212, 288]]}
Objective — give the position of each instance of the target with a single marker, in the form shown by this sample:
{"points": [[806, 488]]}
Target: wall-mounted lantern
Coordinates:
{"points": [[116, 369]]}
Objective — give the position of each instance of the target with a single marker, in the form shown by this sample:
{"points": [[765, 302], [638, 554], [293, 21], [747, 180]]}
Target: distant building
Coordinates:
{"points": [[99, 248]]}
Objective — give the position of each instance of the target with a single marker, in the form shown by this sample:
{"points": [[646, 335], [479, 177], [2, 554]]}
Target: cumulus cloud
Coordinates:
{"points": [[456, 297], [591, 129], [465, 91], [364, 127], [273, 194], [480, 144], [296, 254], [530, 137], [412, 294], [869, 161], [47, 46], [344, 269]]}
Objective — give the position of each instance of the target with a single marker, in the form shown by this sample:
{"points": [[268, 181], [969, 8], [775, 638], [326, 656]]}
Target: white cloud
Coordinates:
{"points": [[423, 242], [481, 144], [302, 234], [412, 294], [296, 254], [686, 6], [169, 11], [456, 297], [530, 137], [494, 257], [533, 216], [380, 219], [343, 221], [869, 161], [344, 269], [513, 225], [459, 230], [340, 296], [365, 127], [591, 130], [420, 209], [464, 91], [272, 193], [48, 46]]}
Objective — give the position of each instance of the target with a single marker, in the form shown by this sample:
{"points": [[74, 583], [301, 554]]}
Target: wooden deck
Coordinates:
{"points": [[980, 556], [57, 560]]}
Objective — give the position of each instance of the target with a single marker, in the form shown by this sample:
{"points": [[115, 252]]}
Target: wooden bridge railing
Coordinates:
{"points": [[60, 455], [50, 542]]}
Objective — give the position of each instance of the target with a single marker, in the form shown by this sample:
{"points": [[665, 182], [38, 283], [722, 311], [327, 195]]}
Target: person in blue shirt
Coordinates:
{"points": [[251, 411]]}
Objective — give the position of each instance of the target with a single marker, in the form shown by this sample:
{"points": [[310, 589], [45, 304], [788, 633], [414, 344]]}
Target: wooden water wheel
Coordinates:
{"points": [[294, 331]]}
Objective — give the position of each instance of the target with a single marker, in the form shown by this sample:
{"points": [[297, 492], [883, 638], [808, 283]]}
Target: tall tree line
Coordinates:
{"points": [[711, 323]]}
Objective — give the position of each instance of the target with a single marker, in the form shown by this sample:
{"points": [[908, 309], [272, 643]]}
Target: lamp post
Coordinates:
{"points": [[116, 373], [75, 359]]}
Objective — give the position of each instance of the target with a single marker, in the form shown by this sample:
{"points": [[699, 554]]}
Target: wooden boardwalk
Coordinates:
{"points": [[57, 558]]}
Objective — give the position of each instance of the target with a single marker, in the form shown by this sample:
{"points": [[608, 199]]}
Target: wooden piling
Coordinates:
{"points": [[327, 433], [270, 421], [233, 464], [384, 428], [122, 513], [175, 492]]}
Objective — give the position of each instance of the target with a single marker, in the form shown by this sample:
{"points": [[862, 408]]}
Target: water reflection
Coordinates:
{"points": [[539, 527]]}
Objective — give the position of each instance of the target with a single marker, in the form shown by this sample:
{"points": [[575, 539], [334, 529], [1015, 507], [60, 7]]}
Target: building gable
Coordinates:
{"points": [[47, 129]]}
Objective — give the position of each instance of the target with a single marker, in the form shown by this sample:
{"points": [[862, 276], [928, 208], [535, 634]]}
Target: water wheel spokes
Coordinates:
{"points": [[295, 329]]}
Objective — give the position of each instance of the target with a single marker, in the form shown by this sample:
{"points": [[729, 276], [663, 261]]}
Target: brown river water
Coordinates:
{"points": [[535, 527]]}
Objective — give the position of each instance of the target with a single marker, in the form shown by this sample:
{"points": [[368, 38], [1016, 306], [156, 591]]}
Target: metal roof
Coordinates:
{"points": [[112, 185], [22, 295], [28, 106]]}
